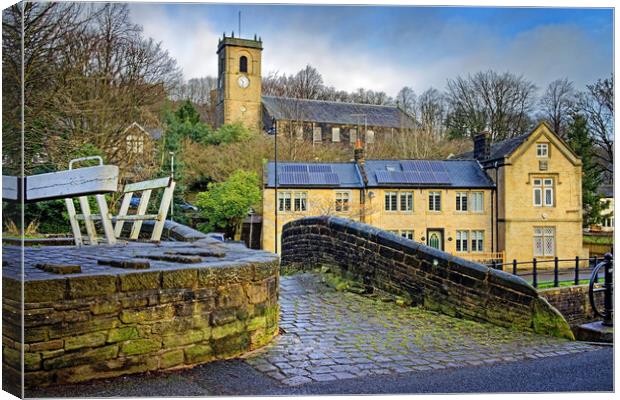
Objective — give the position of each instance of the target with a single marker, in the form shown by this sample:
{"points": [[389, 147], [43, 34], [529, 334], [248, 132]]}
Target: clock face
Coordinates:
{"points": [[243, 81]]}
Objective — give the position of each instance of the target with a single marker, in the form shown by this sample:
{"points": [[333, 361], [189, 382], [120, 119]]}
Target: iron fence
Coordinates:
{"points": [[552, 272]]}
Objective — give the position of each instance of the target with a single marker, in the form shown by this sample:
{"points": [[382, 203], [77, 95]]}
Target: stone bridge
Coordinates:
{"points": [[420, 275]]}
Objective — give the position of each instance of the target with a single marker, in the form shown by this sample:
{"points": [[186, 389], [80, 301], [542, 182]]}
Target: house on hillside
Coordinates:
{"points": [[239, 98], [136, 154], [517, 199]]}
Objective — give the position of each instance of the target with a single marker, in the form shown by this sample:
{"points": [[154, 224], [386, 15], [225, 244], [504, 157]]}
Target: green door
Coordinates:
{"points": [[435, 239]]}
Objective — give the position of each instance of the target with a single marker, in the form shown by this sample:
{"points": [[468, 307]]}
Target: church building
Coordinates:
{"points": [[239, 98]]}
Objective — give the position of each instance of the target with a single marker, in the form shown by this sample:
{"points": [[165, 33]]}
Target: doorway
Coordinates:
{"points": [[434, 238]]}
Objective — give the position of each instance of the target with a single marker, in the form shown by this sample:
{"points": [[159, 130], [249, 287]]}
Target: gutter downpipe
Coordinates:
{"points": [[496, 167]]}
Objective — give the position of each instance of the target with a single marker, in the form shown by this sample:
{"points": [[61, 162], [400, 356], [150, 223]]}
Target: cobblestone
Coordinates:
{"points": [[332, 335]]}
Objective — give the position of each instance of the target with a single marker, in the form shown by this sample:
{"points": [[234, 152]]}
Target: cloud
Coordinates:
{"points": [[353, 49]]}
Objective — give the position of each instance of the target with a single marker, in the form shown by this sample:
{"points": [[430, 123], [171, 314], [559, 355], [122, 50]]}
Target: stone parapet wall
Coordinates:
{"points": [[573, 303], [79, 328], [425, 276]]}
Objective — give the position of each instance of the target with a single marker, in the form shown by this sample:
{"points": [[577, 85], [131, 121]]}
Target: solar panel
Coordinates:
{"points": [[293, 168], [319, 168], [308, 179]]}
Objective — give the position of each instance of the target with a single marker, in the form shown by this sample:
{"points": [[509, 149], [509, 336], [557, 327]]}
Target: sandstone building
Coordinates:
{"points": [[516, 199]]}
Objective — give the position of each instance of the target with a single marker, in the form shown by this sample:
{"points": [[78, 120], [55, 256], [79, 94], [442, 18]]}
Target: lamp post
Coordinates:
{"points": [[172, 177], [274, 131]]}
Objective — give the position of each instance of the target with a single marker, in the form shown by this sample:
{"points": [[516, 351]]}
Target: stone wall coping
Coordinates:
{"points": [[396, 242]]}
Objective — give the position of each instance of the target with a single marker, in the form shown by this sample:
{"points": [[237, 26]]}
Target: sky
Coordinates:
{"points": [[385, 48]]}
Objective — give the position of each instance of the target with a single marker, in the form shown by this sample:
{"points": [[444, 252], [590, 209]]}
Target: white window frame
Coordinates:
{"points": [[476, 203], [370, 136], [541, 188], [317, 134], [283, 196], [432, 201], [393, 201], [352, 135], [408, 197], [460, 204], [335, 134], [299, 132], [544, 235], [303, 201], [542, 150], [462, 238], [407, 233], [343, 201], [477, 241]]}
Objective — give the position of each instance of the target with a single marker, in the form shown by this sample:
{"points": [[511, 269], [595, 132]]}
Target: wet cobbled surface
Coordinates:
{"points": [[329, 335]]}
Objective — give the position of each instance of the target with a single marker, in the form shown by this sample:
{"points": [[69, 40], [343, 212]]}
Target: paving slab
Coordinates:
{"points": [[338, 335]]}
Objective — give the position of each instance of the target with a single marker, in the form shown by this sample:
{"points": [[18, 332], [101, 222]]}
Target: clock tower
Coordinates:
{"points": [[239, 82]]}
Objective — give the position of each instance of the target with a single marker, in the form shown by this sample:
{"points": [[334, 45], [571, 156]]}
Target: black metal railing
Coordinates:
{"points": [[607, 314], [552, 272]]}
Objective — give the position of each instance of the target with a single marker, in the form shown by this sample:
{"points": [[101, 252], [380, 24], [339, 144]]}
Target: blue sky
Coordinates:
{"points": [[386, 48]]}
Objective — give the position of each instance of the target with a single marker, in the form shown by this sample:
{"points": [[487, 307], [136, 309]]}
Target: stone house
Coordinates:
{"points": [[136, 154], [516, 199]]}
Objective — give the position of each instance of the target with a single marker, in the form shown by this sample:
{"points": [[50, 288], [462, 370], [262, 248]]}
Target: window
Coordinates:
{"points": [[292, 201], [299, 131], [342, 201], [352, 135], [542, 150], [608, 222], [243, 64], [461, 201], [284, 201], [434, 201], [406, 201], [335, 134], [391, 203], [407, 234], [461, 241], [543, 192], [476, 201], [135, 144], [370, 137], [301, 201], [317, 134], [544, 241], [477, 241]]}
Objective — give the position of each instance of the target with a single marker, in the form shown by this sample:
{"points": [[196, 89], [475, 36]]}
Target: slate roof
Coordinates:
{"points": [[448, 174], [500, 149], [303, 175], [606, 191], [284, 108]]}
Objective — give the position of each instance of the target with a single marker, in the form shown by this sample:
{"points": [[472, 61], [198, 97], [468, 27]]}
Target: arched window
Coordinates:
{"points": [[243, 64]]}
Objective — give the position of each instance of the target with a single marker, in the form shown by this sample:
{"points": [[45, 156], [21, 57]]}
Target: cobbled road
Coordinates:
{"points": [[340, 342]]}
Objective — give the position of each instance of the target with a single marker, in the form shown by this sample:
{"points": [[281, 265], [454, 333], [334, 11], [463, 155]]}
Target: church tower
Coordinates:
{"points": [[239, 82]]}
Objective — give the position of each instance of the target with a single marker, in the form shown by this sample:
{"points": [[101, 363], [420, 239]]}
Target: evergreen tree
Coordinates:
{"points": [[579, 139]]}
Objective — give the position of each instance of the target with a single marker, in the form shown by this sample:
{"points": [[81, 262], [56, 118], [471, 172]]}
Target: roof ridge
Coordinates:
{"points": [[333, 102]]}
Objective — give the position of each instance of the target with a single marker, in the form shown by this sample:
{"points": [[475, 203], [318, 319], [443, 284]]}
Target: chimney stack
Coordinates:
{"points": [[482, 146], [358, 153]]}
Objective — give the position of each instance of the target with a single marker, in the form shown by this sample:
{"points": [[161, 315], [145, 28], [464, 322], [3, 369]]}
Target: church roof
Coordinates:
{"points": [[285, 108]]}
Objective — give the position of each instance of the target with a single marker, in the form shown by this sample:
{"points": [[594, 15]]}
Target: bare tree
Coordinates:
{"points": [[597, 103], [431, 111], [557, 104], [406, 99], [91, 74], [500, 103], [307, 84]]}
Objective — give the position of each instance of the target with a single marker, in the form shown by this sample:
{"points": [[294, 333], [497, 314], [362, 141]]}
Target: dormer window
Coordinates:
{"points": [[243, 64], [542, 150]]}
